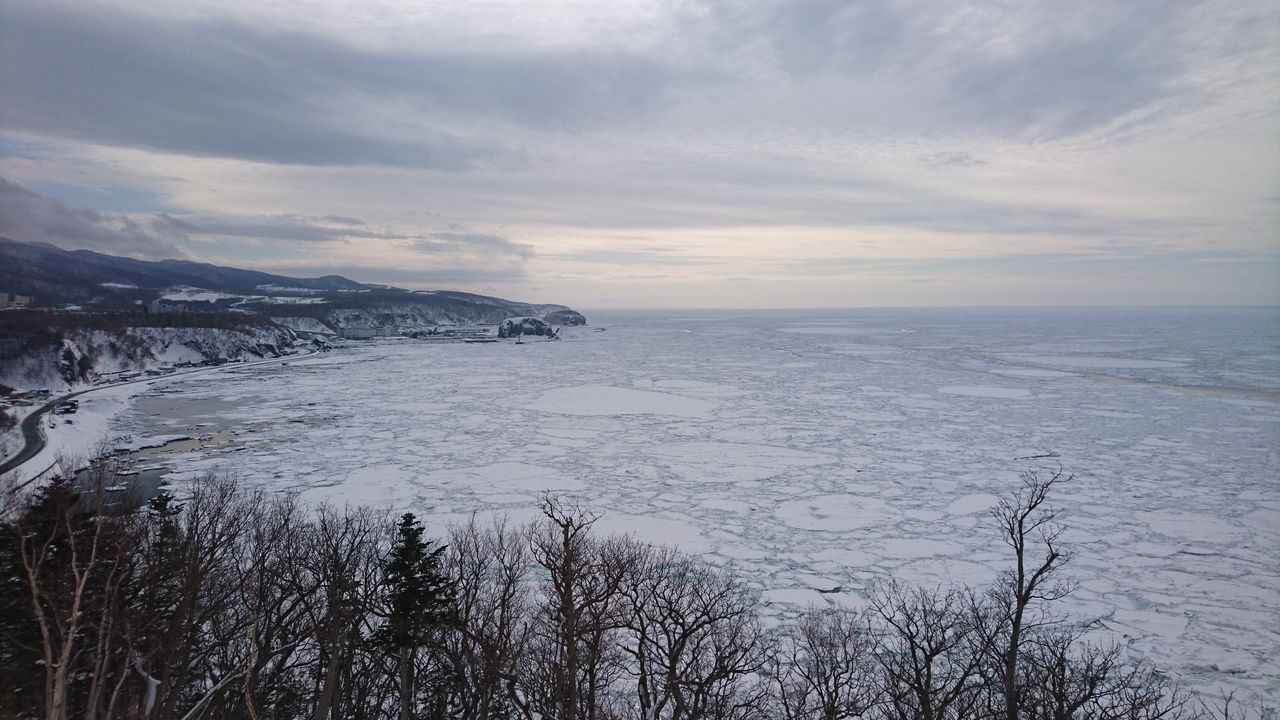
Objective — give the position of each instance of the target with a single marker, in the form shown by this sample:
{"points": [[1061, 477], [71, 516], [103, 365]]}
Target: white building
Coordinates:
{"points": [[364, 332], [14, 301]]}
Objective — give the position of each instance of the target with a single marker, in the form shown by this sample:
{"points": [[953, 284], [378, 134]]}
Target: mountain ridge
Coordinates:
{"points": [[53, 276]]}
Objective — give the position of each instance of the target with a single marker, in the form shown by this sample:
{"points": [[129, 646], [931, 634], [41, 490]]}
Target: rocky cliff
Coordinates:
{"points": [[64, 356], [516, 327]]}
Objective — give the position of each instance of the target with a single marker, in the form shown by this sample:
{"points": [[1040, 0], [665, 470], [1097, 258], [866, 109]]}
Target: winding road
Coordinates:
{"points": [[32, 435]]}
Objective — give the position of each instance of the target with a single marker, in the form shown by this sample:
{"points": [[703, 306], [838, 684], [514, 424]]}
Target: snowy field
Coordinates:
{"points": [[817, 451]]}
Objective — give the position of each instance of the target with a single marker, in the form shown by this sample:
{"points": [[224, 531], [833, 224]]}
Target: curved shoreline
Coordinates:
{"points": [[34, 439]]}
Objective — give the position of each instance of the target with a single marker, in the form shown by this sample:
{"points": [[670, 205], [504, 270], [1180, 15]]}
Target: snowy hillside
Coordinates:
{"points": [[79, 356], [304, 324], [420, 315]]}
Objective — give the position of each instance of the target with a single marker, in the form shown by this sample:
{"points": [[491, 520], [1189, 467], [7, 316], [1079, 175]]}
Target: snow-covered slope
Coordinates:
{"points": [[304, 324], [81, 356]]}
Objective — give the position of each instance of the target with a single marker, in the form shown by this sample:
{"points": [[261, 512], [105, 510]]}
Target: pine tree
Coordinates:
{"points": [[420, 600]]}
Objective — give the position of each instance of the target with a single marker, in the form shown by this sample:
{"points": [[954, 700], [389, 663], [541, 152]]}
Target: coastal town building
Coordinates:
{"points": [[364, 332], [14, 301]]}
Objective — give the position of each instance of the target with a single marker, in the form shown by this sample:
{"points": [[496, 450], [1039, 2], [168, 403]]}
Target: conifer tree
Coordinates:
{"points": [[420, 600]]}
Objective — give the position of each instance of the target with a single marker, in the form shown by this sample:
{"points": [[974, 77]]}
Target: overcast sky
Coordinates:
{"points": [[662, 153]]}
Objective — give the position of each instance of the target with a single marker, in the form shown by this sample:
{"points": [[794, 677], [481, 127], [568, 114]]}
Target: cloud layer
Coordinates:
{"points": [[453, 256], [224, 88], [643, 151], [28, 217]]}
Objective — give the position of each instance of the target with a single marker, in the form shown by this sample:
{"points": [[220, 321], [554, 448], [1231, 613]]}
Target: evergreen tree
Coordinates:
{"points": [[420, 601]]}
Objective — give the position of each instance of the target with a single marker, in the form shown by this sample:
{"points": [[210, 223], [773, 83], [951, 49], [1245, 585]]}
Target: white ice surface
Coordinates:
{"points": [[140, 442], [802, 461], [602, 400], [987, 391], [1091, 363]]}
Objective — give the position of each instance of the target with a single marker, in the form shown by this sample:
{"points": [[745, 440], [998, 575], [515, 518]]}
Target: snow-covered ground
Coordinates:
{"points": [[823, 450], [190, 294], [11, 440], [73, 440]]}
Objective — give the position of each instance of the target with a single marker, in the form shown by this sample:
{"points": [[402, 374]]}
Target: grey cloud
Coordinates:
{"points": [[328, 229], [221, 88], [342, 220], [409, 277], [456, 256], [28, 217], [1048, 68], [952, 159], [467, 242], [31, 217], [657, 257], [1091, 63], [795, 200], [816, 35], [228, 89], [1017, 264], [270, 227]]}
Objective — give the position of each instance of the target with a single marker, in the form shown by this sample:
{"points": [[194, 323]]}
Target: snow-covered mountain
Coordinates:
{"points": [[135, 315], [53, 276]]}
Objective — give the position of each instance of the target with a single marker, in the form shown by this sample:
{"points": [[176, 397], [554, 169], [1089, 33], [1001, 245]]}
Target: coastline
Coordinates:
{"points": [[77, 439]]}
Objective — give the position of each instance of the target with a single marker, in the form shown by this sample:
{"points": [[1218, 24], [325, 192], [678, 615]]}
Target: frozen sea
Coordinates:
{"points": [[823, 450]]}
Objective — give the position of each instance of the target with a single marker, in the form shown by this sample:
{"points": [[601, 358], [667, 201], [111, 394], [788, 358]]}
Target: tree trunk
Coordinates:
{"points": [[330, 689], [406, 683], [1011, 689]]}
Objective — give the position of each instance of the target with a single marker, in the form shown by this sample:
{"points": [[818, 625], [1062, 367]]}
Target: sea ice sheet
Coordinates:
{"points": [[847, 449]]}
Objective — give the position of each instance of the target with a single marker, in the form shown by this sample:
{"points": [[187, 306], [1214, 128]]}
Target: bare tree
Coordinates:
{"points": [[490, 567], [109, 649], [11, 502], [930, 653], [331, 576], [696, 641], [1225, 707], [614, 563], [1020, 597], [1065, 678], [62, 550], [189, 615], [232, 604], [277, 619], [825, 667], [583, 609]]}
